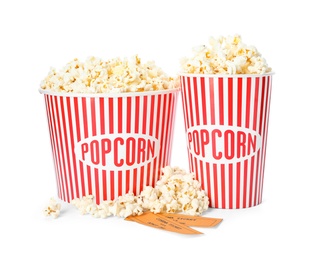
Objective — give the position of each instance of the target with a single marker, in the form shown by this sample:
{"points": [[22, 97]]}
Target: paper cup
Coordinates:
{"points": [[109, 144], [226, 123]]}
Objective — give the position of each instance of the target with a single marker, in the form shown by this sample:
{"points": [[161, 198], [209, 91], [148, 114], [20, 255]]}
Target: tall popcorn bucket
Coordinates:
{"points": [[107, 145], [226, 124]]}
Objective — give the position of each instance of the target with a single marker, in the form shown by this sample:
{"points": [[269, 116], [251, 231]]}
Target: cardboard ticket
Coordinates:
{"points": [[162, 222], [196, 221]]}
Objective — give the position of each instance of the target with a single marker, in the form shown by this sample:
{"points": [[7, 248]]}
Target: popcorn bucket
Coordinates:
{"points": [[226, 124], [108, 145]]}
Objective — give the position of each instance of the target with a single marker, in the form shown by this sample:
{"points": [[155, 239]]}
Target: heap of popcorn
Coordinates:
{"points": [[110, 76], [176, 191], [225, 55]]}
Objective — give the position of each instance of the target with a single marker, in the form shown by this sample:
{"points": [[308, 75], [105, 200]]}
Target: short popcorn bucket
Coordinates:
{"points": [[226, 123], [107, 145]]}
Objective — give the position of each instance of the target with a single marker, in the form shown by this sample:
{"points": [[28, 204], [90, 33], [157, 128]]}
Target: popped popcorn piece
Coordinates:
{"points": [[176, 191], [53, 209], [225, 55], [110, 76]]}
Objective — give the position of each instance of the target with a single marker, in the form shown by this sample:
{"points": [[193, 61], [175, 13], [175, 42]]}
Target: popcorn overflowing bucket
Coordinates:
{"points": [[226, 124], [109, 144]]}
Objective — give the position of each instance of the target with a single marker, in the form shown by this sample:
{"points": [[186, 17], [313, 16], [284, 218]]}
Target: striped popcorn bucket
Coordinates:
{"points": [[226, 125], [109, 144]]}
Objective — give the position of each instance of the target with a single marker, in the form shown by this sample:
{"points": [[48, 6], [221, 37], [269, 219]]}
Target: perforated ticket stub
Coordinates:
{"points": [[174, 222]]}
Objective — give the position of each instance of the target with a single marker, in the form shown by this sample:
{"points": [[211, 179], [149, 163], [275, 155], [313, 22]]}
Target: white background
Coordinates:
{"points": [[36, 35]]}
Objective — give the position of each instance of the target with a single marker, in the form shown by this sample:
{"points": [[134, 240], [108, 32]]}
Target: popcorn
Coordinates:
{"points": [[225, 55], [110, 76], [176, 191], [53, 209]]}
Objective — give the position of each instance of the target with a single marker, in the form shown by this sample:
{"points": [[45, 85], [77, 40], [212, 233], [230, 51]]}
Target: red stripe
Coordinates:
{"points": [[223, 192], [202, 180], [215, 185], [128, 113], [120, 182], [191, 162], [102, 116], [134, 180], [195, 163], [137, 113], [145, 108], [111, 173], [245, 184], [152, 116], [97, 187], [221, 101], [248, 95], [85, 122], [93, 116], [104, 184], [127, 181], [230, 181], [196, 105], [111, 116], [191, 110], [141, 179], [89, 178], [203, 99], [212, 100], [239, 101], [230, 101], [120, 114], [238, 179], [209, 190]]}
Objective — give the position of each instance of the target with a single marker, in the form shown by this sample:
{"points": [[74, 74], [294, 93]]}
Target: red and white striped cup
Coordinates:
{"points": [[109, 144], [226, 124]]}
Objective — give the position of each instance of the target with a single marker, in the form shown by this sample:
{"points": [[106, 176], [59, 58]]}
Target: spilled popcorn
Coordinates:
{"points": [[53, 209], [225, 55], [176, 191], [108, 76]]}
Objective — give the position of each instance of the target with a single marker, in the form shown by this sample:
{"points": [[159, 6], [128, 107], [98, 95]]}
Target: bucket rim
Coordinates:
{"points": [[226, 75], [106, 95]]}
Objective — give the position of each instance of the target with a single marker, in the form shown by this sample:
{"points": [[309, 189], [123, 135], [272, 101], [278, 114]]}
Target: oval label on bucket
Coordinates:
{"points": [[222, 144], [117, 151]]}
